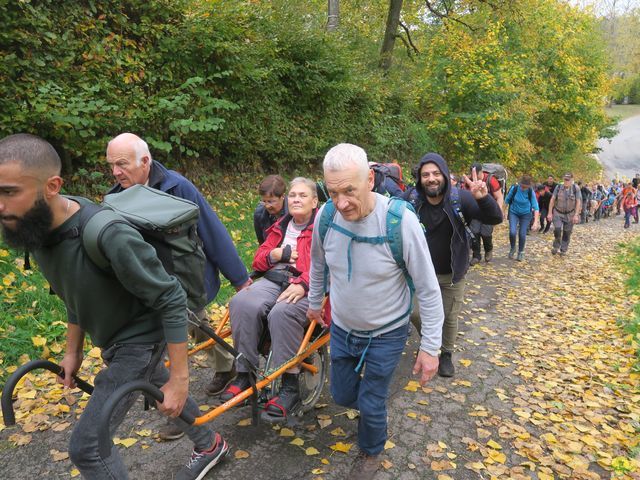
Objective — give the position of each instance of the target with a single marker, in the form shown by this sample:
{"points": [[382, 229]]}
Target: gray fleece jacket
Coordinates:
{"points": [[377, 292]]}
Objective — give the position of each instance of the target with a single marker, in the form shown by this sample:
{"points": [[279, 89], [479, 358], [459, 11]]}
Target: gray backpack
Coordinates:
{"points": [[166, 222], [498, 172]]}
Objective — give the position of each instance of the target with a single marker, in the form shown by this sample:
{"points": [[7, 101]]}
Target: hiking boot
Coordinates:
{"points": [[236, 387], [474, 261], [201, 462], [520, 256], [170, 432], [488, 256], [554, 250], [445, 367], [512, 253], [364, 467], [220, 381], [282, 406], [563, 253]]}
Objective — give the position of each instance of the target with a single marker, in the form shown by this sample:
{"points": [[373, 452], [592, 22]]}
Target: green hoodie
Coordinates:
{"points": [[136, 302]]}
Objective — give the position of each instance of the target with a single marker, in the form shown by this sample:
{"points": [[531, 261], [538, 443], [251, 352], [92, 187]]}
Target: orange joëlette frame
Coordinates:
{"points": [[224, 331]]}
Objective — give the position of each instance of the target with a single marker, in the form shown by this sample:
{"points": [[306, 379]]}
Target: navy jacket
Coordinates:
{"points": [[486, 210], [218, 247]]}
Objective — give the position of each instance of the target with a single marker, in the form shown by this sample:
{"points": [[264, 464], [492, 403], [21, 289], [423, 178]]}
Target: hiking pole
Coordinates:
{"points": [[238, 356]]}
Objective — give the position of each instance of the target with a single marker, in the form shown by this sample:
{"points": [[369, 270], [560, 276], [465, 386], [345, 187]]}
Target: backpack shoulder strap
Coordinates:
{"points": [[395, 212], [93, 220], [326, 218], [510, 193]]}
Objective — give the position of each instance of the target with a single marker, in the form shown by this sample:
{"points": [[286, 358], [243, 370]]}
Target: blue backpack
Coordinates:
{"points": [[393, 238]]}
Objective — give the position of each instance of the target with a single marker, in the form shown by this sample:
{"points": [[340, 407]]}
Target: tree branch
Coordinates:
{"points": [[447, 15], [406, 30], [406, 44]]}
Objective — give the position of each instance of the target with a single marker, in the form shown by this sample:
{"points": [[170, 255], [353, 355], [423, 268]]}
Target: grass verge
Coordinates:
{"points": [[622, 112], [631, 262]]}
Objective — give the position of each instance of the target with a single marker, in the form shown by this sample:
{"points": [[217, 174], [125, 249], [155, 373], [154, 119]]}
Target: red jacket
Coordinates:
{"points": [[275, 235]]}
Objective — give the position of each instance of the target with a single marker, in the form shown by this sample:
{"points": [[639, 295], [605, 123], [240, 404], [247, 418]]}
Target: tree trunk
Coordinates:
{"points": [[391, 30], [333, 17]]}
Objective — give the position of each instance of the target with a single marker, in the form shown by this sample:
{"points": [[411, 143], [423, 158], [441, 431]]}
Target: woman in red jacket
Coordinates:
{"points": [[280, 296]]}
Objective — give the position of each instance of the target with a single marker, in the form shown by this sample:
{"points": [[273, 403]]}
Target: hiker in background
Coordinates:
{"points": [[550, 184], [444, 211], [564, 211], [483, 232], [629, 204], [522, 206], [130, 312], [544, 197], [586, 202], [131, 163], [373, 277], [272, 206]]}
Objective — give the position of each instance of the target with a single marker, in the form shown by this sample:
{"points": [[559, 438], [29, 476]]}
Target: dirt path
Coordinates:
{"points": [[543, 390]]}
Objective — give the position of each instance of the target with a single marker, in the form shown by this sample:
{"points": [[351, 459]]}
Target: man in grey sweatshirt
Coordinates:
{"points": [[370, 297]]}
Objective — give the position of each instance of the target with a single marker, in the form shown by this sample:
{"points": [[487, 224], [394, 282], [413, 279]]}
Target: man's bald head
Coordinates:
{"points": [[32, 153], [130, 160], [131, 142]]}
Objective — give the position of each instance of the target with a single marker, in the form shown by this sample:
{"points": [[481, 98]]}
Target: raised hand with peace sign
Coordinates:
{"points": [[478, 188]]}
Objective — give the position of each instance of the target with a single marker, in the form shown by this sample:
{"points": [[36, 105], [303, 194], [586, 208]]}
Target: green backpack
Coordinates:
{"points": [[166, 222]]}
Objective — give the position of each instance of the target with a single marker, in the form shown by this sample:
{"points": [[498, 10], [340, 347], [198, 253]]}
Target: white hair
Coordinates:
{"points": [[311, 185], [142, 150], [345, 155]]}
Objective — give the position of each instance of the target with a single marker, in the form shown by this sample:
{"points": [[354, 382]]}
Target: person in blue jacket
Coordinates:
{"points": [[522, 206], [131, 164]]}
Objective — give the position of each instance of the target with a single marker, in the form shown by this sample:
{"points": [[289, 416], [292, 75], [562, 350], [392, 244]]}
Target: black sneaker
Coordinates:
{"points": [[236, 387], [220, 382], [201, 462], [445, 367]]}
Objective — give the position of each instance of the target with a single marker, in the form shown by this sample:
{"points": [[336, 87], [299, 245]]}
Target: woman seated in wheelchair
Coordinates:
{"points": [[280, 296]]}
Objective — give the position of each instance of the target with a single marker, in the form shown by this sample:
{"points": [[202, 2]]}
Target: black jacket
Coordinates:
{"points": [[486, 210], [262, 220]]}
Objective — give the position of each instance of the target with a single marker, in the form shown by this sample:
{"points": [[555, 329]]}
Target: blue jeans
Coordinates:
{"points": [[125, 362], [519, 224], [367, 392]]}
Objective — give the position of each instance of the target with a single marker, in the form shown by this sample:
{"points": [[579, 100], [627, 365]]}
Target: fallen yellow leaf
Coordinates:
{"points": [[341, 447], [240, 454]]}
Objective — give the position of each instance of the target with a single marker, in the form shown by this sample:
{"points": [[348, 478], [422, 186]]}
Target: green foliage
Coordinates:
{"points": [[630, 261], [522, 86], [223, 82], [28, 310]]}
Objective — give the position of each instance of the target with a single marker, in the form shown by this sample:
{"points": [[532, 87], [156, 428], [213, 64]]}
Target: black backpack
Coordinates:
{"points": [[383, 171]]}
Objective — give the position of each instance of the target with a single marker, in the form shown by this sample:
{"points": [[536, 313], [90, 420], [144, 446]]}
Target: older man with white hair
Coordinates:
{"points": [[373, 253], [131, 164]]}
